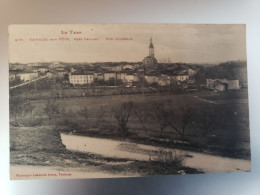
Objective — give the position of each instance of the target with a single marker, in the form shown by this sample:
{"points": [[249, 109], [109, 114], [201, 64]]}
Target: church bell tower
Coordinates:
{"points": [[151, 49], [150, 61]]}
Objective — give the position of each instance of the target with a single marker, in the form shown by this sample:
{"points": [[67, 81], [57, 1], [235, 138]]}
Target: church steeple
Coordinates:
{"points": [[150, 61], [151, 48]]}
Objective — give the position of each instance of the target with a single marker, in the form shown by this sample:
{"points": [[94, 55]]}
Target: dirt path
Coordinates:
{"points": [[204, 100], [28, 82], [122, 149]]}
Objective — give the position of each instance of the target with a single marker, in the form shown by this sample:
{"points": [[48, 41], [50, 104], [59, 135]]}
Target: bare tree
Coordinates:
{"points": [[142, 114], [157, 111], [122, 115], [51, 109], [179, 118], [211, 117]]}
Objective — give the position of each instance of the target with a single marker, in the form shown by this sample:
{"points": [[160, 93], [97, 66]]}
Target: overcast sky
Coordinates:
{"points": [[188, 43]]}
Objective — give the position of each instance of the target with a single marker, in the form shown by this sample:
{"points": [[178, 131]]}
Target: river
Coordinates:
{"points": [[124, 149]]}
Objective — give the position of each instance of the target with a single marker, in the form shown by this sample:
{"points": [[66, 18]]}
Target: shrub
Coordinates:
{"points": [[170, 157], [69, 125]]}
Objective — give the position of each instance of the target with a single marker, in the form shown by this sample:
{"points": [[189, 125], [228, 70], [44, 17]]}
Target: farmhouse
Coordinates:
{"points": [[222, 84]]}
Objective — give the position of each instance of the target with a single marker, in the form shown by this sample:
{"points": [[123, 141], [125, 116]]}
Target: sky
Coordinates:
{"points": [[188, 43]]}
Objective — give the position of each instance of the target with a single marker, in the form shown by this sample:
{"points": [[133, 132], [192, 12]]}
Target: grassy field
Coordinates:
{"points": [[35, 140], [100, 119]]}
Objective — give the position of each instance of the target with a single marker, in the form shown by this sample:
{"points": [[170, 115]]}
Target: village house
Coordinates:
{"points": [[116, 68], [81, 79], [61, 73], [191, 72], [98, 76], [178, 77], [128, 67], [162, 81], [130, 78], [42, 70], [181, 77], [109, 75], [151, 79], [121, 76], [222, 84], [28, 76]]}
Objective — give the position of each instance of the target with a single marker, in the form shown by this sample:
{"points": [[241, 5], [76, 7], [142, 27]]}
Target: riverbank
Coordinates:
{"points": [[132, 151]]}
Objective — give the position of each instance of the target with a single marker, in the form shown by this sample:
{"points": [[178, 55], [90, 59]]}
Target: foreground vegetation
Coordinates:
{"points": [[167, 117], [41, 146]]}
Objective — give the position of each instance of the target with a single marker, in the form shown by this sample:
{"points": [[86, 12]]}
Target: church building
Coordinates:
{"points": [[150, 61]]}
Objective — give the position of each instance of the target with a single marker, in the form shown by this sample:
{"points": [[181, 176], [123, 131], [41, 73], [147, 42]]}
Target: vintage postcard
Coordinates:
{"points": [[127, 100]]}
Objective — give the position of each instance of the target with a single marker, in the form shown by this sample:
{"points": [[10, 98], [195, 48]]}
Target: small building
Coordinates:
{"points": [[116, 68], [222, 84], [151, 79], [109, 75], [191, 72], [128, 67], [98, 76], [181, 77], [28, 76], [61, 73], [129, 78], [162, 81], [121, 76]]}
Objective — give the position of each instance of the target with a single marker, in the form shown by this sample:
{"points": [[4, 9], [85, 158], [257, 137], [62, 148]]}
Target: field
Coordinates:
{"points": [[35, 133]]}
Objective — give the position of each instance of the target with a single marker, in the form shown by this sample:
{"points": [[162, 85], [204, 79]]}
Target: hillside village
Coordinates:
{"points": [[145, 74]]}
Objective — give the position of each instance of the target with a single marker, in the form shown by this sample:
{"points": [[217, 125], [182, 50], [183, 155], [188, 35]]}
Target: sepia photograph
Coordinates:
{"points": [[127, 100]]}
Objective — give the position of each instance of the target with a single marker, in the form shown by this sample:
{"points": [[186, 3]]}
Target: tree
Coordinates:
{"points": [[179, 118], [212, 117], [141, 113], [122, 115], [157, 110], [51, 109]]}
